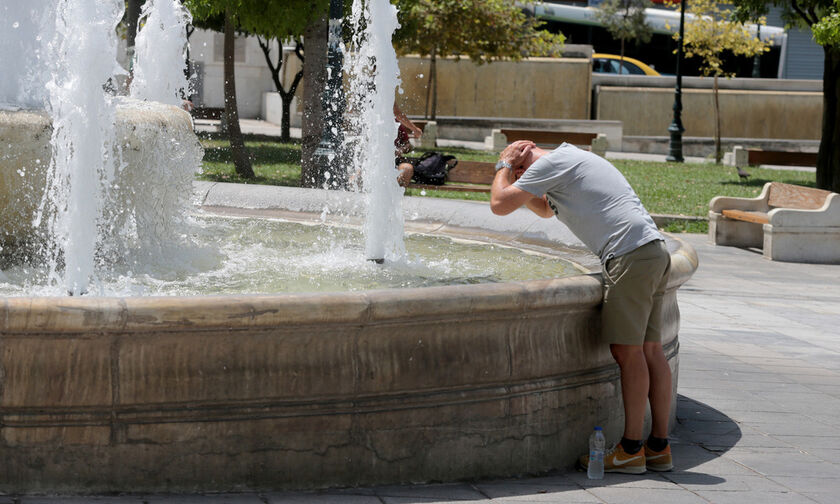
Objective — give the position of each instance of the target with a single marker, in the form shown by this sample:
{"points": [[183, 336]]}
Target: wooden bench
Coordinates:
{"points": [[785, 158], [790, 223], [466, 172], [742, 157], [596, 142]]}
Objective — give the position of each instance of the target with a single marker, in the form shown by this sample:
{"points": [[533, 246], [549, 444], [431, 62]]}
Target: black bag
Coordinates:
{"points": [[431, 168]]}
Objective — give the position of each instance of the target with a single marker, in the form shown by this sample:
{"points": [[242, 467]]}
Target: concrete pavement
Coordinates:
{"points": [[757, 416]]}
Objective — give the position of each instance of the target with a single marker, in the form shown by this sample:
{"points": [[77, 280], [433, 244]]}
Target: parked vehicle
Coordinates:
{"points": [[612, 64]]}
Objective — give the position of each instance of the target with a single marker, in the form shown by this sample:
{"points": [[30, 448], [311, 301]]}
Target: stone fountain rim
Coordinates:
{"points": [[79, 314]]}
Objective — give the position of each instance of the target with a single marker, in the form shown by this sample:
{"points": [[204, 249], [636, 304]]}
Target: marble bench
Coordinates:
{"points": [[790, 222]]}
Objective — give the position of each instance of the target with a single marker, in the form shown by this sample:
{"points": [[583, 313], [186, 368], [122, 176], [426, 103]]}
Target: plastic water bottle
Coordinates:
{"points": [[597, 444]]}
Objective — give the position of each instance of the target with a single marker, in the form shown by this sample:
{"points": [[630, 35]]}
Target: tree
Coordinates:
{"points": [[625, 20], [708, 34], [208, 10], [315, 79], [483, 30], [285, 95], [270, 19], [823, 19]]}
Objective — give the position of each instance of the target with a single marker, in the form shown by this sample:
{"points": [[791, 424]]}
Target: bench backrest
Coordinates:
{"points": [[760, 157], [472, 172], [544, 137], [794, 196]]}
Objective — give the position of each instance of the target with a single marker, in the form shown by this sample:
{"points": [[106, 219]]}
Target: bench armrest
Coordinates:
{"points": [[757, 204], [826, 216]]}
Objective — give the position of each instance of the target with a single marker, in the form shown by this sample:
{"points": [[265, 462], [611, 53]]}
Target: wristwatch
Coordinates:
{"points": [[502, 164]]}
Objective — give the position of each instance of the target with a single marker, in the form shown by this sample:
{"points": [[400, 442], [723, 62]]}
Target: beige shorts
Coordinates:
{"points": [[634, 284]]}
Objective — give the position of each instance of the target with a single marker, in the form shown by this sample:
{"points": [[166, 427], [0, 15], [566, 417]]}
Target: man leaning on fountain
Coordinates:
{"points": [[596, 202]]}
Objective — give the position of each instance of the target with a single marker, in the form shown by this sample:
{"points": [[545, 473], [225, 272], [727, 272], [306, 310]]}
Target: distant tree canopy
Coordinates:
{"points": [[483, 30], [625, 20]]}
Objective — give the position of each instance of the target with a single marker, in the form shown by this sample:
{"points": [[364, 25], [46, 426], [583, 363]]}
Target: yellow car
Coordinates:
{"points": [[610, 63]]}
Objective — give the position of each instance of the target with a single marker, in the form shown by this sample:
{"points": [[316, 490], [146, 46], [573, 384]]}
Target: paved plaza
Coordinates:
{"points": [[759, 401]]}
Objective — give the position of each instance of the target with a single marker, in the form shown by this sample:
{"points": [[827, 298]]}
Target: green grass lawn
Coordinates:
{"points": [[664, 188]]}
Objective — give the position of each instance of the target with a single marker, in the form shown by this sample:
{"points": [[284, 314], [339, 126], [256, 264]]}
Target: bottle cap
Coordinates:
{"points": [[597, 428]]}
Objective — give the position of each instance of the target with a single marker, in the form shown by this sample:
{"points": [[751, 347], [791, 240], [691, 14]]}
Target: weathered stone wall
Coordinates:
{"points": [[548, 88], [647, 111]]}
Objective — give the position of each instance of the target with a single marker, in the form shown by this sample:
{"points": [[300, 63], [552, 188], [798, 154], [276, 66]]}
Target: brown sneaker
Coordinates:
{"points": [[659, 461], [617, 460]]}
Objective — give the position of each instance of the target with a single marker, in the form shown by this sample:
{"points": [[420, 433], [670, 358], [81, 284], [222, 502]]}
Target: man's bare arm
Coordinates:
{"points": [[505, 198], [540, 207]]}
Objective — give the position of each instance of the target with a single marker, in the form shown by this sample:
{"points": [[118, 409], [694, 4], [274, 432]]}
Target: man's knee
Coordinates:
{"points": [[625, 354], [406, 171], [653, 351]]}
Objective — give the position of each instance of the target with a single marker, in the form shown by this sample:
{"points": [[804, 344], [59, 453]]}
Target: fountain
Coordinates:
{"points": [[308, 390]]}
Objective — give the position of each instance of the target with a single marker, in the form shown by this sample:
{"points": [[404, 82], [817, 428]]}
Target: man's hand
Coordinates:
{"points": [[517, 152]]}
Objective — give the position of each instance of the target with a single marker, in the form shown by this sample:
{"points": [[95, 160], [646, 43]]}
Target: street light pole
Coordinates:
{"points": [[328, 154], [676, 128]]}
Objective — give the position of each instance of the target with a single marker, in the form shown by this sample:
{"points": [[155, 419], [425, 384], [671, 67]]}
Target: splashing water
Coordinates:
{"points": [[85, 55], [374, 77], [160, 53], [26, 27]]}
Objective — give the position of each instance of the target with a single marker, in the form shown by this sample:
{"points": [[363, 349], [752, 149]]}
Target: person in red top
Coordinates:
{"points": [[402, 146]]}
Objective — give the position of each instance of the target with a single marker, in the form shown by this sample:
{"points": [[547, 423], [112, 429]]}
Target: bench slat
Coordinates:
{"points": [[549, 137], [472, 172], [794, 196], [451, 187], [785, 158], [741, 215]]}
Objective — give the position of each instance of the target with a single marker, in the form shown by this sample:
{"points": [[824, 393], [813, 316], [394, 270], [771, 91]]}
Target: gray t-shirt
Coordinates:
{"points": [[593, 199]]}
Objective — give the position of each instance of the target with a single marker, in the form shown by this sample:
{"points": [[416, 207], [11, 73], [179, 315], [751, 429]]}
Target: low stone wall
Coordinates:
{"points": [[745, 113], [540, 88]]}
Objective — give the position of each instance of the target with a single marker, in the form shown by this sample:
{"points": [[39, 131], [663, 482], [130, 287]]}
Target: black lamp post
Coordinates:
{"points": [[676, 128], [328, 154]]}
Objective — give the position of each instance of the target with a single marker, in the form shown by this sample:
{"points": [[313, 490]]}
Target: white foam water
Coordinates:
{"points": [[160, 53], [371, 64], [26, 29], [84, 52]]}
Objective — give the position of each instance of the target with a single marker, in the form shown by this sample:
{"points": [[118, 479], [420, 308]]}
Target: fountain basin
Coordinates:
{"points": [[314, 390]]}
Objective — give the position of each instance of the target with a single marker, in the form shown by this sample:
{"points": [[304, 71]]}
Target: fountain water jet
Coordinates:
{"points": [[82, 168], [374, 77], [160, 53]]}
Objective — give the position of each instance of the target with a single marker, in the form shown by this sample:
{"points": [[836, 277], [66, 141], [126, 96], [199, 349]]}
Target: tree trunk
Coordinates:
{"points": [[314, 80], [621, 58], [132, 19], [432, 86], [828, 159], [718, 155], [241, 163]]}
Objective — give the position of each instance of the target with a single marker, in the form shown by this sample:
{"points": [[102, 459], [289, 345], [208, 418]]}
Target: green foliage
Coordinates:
{"points": [[625, 19], [710, 32], [270, 18], [484, 30], [827, 30], [794, 12]]}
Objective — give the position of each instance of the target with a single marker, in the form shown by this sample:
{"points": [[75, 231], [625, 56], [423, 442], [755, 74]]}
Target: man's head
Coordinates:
{"points": [[521, 155]]}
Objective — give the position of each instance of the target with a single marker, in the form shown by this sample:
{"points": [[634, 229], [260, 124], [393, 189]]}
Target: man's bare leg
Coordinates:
{"points": [[660, 388], [635, 385]]}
